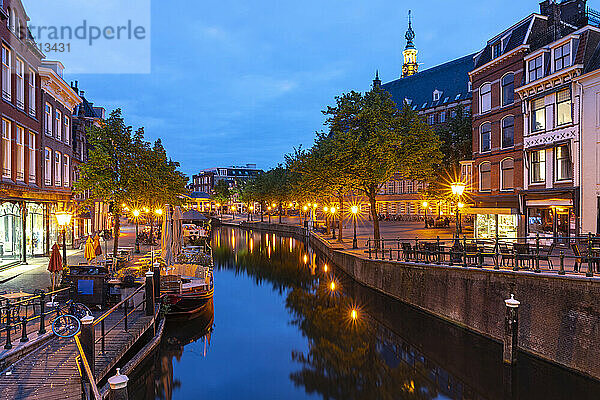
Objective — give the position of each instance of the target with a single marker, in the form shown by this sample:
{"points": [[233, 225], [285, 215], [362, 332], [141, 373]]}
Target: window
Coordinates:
{"points": [[48, 119], [431, 119], [562, 57], [10, 17], [57, 168], [20, 73], [32, 163], [58, 117], [453, 114], [564, 166], [31, 85], [563, 107], [67, 134], [508, 132], [48, 166], [507, 169], [436, 95], [485, 135], [538, 166], [6, 149], [20, 139], [508, 89], [443, 116], [496, 50], [536, 71], [485, 177], [67, 171], [6, 71], [485, 98], [538, 115]]}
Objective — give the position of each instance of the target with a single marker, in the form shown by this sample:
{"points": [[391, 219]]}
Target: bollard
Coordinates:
{"points": [[42, 314], [24, 337], [118, 386], [417, 250], [369, 244], [398, 249], [561, 271], [590, 271], [496, 251], [8, 344], [537, 254], [88, 340], [156, 270], [438, 248], [511, 330], [149, 293], [464, 251]]}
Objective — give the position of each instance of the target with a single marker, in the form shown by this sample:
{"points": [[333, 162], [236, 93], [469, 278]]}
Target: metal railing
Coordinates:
{"points": [[86, 373], [520, 253], [123, 305], [15, 314]]}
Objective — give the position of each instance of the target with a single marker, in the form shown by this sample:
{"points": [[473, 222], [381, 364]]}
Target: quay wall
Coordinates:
{"points": [[559, 316]]}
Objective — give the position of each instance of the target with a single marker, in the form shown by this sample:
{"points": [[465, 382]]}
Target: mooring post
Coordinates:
{"points": [[24, 337], [88, 340], [537, 254], [511, 330], [590, 271], [118, 386], [156, 270], [42, 314], [149, 294], [8, 344], [561, 271]]}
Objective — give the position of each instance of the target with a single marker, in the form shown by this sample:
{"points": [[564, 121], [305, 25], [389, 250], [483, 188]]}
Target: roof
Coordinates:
{"points": [[199, 195], [450, 78], [193, 215]]}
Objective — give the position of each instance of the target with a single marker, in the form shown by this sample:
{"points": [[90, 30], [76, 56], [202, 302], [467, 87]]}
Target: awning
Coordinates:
{"points": [[550, 202], [489, 210]]}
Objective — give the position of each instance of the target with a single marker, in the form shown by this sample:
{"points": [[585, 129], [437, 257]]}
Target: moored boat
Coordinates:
{"points": [[186, 289]]}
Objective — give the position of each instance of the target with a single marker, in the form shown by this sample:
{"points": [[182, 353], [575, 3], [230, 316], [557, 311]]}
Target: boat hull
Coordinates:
{"points": [[186, 304]]}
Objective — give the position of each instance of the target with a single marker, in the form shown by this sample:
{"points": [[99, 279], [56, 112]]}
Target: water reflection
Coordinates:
{"points": [[350, 342]]}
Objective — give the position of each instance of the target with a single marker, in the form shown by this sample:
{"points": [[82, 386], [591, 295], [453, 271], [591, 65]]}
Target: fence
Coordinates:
{"points": [[18, 314], [518, 253]]}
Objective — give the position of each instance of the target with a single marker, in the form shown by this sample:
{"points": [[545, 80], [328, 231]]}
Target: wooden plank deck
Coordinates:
{"points": [[50, 372]]}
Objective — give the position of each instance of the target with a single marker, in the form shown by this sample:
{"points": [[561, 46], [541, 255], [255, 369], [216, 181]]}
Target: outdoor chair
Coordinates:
{"points": [[580, 251], [522, 255], [506, 253], [545, 253], [488, 251], [471, 253], [407, 251]]}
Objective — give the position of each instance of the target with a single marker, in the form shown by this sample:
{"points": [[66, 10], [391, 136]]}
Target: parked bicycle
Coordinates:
{"points": [[68, 325]]}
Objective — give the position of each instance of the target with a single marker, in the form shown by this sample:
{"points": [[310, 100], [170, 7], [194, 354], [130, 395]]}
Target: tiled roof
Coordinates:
{"points": [[450, 78]]}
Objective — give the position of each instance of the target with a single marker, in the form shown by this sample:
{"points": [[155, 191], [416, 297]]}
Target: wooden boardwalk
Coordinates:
{"points": [[50, 372]]}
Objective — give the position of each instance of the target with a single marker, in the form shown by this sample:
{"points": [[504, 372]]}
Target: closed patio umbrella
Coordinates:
{"points": [[88, 250], [56, 263], [166, 238], [177, 234]]}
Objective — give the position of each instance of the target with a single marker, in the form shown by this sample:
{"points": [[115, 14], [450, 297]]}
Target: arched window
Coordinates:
{"points": [[485, 177], [485, 137], [507, 169], [9, 20], [508, 89], [508, 132], [485, 97]]}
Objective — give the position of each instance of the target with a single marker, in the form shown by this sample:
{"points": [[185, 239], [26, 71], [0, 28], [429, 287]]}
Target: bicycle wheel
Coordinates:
{"points": [[66, 326], [80, 310]]}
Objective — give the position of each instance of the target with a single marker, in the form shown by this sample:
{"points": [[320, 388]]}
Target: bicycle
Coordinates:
{"points": [[68, 325]]}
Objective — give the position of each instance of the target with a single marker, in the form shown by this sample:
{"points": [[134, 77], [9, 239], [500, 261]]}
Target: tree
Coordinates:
{"points": [[456, 139], [222, 193], [371, 140]]}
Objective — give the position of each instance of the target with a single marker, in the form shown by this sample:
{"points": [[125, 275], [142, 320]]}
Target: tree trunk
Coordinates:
{"points": [[341, 219], [116, 231], [280, 213], [375, 217]]}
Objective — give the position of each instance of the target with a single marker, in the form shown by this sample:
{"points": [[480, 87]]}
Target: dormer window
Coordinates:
{"points": [[457, 97], [536, 71], [446, 99], [436, 95], [496, 50], [469, 87], [562, 56]]}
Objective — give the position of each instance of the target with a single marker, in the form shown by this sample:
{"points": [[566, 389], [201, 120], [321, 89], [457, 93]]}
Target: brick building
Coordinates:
{"points": [[206, 179]]}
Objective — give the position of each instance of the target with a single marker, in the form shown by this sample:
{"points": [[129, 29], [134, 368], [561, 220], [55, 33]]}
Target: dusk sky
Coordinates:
{"points": [[237, 82]]}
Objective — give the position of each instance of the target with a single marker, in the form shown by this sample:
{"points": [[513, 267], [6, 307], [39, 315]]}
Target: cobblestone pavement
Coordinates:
{"points": [[35, 275]]}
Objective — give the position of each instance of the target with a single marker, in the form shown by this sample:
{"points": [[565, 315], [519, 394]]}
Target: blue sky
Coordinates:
{"points": [[235, 82]]}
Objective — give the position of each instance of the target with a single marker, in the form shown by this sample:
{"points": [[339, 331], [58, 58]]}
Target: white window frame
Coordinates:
{"points": [[49, 119], [565, 61], [66, 171], [488, 97], [58, 161], [537, 70], [502, 86], [67, 127], [533, 111], [542, 167], [59, 122], [48, 166], [570, 102], [502, 132], [20, 143], [480, 180], [6, 73], [480, 137], [20, 78], [502, 188], [31, 87], [32, 157]]}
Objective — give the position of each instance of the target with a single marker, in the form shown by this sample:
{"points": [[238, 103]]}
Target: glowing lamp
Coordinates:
{"points": [[332, 286], [136, 213], [63, 218], [424, 204], [458, 188], [354, 210]]}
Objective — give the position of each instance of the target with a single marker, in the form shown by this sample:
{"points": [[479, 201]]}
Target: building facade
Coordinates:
{"points": [[206, 180]]}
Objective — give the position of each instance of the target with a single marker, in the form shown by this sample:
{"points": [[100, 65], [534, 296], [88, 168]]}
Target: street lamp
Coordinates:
{"points": [[425, 205], [269, 213], [459, 206], [458, 188], [251, 208], [354, 210], [136, 216], [63, 218], [332, 210]]}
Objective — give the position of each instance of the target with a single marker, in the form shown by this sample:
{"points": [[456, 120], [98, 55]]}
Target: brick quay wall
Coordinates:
{"points": [[559, 316]]}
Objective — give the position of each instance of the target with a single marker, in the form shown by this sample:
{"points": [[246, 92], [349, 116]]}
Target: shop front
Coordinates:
{"points": [[35, 230], [551, 218], [11, 233], [492, 223]]}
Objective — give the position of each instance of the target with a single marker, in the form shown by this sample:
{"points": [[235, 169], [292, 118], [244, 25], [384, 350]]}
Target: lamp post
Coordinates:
{"points": [[269, 213], [425, 205], [251, 208], [354, 210], [458, 188], [136, 216], [326, 215], [332, 210], [63, 218]]}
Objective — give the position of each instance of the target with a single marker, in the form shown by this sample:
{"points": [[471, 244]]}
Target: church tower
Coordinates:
{"points": [[410, 66]]}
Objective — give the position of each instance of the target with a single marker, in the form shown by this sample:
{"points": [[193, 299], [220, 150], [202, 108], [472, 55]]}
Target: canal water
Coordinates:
{"points": [[278, 329]]}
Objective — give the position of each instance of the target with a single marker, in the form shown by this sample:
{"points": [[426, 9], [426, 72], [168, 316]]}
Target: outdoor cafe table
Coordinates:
{"points": [[15, 295]]}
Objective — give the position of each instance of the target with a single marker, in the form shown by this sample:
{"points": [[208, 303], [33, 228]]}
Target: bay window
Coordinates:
{"points": [[538, 166], [538, 115]]}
